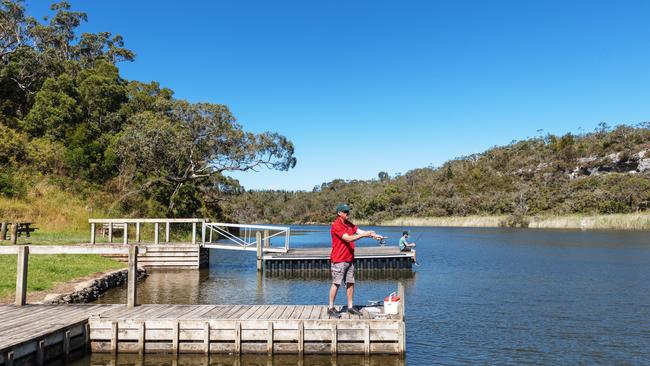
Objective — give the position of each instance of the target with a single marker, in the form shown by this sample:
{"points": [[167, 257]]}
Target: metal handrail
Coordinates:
{"points": [[245, 240]]}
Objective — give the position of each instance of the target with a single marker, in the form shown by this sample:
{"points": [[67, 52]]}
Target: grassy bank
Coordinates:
{"points": [[46, 271], [635, 221]]}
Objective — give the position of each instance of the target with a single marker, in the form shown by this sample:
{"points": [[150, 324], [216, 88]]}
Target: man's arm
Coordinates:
{"points": [[360, 234]]}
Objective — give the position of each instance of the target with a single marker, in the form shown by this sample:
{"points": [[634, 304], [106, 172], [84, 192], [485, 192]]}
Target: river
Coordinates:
{"points": [[479, 296]]}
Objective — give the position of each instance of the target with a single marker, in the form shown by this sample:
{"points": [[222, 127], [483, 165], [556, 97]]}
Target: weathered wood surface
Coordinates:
{"points": [[133, 221], [244, 329], [28, 329], [70, 249], [324, 253]]}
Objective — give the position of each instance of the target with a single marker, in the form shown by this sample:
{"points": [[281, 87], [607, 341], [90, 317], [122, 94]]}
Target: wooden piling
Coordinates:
{"points": [[267, 240], [194, 233], [156, 233], [167, 232], [132, 278], [21, 275], [93, 229], [125, 230], [137, 232], [258, 241], [14, 233]]}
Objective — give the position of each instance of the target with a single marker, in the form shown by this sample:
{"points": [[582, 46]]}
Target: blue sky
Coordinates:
{"points": [[367, 86]]}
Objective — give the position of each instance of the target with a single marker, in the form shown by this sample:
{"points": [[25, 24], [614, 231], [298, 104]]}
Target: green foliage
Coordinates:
{"points": [[66, 111], [530, 177]]}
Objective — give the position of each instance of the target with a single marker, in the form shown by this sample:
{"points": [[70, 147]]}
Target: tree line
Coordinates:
{"points": [[605, 171]]}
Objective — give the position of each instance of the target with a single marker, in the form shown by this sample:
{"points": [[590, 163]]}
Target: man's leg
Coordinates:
{"points": [[350, 293], [333, 290]]}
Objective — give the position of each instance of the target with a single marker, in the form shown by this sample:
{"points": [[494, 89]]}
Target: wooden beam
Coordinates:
{"points": [[93, 229], [206, 338], [269, 341], [3, 231], [149, 221], [141, 338], [114, 333], [334, 338], [258, 241], [402, 301], [14, 233], [21, 275], [132, 292], [70, 249]]}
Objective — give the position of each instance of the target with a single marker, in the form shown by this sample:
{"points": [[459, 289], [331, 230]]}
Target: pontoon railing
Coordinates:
{"points": [[247, 235]]}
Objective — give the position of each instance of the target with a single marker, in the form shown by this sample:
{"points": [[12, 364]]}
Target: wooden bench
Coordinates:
{"points": [[16, 229]]}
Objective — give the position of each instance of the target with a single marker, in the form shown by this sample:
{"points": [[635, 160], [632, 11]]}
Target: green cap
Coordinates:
{"points": [[342, 207]]}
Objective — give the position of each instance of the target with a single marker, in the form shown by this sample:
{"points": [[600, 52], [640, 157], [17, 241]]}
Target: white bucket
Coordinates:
{"points": [[391, 304]]}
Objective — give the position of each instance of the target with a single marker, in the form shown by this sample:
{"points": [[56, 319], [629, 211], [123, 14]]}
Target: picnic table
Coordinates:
{"points": [[15, 229]]}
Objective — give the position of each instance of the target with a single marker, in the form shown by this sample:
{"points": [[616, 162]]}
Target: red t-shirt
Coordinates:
{"points": [[342, 251]]}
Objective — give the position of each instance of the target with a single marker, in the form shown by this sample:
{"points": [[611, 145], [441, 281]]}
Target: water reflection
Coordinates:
{"points": [[243, 360]]}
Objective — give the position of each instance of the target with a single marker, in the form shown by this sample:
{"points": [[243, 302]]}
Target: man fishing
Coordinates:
{"points": [[405, 246], [344, 233]]}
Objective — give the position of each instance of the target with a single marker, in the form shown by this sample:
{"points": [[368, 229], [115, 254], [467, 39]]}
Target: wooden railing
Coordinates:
{"points": [[23, 252], [138, 224]]}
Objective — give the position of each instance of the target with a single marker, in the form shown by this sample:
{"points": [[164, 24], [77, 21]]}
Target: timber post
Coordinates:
{"points": [[93, 228], [137, 232], [21, 275], [3, 231], [126, 233], [400, 294], [132, 278], [194, 233], [156, 239], [258, 242], [203, 233], [14, 233], [167, 232], [110, 232], [267, 240]]}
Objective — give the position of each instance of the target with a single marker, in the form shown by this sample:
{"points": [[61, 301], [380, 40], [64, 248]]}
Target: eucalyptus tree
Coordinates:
{"points": [[193, 144]]}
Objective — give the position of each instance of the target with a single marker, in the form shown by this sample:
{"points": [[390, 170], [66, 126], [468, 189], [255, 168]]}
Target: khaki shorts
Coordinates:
{"points": [[342, 272]]}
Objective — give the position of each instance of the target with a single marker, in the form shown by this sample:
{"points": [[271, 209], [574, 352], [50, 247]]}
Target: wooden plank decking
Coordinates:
{"points": [[42, 332], [37, 333], [298, 329]]}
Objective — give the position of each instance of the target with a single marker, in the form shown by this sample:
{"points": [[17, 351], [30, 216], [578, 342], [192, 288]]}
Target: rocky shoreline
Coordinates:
{"points": [[91, 290]]}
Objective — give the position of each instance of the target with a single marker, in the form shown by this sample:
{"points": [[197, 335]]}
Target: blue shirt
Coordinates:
{"points": [[402, 243]]}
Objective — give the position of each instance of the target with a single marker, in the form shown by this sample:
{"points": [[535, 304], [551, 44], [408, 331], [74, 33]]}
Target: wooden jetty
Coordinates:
{"points": [[36, 334], [256, 238], [33, 334], [271, 329]]}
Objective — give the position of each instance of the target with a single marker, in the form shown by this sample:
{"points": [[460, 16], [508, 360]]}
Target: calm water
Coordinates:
{"points": [[480, 296]]}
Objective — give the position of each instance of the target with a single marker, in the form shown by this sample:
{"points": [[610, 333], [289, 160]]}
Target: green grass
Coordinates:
{"points": [[46, 271]]}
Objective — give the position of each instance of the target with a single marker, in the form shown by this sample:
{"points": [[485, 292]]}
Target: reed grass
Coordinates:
{"points": [[632, 221]]}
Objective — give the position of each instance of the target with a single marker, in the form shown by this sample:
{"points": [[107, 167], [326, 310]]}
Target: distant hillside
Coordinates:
{"points": [[603, 172]]}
